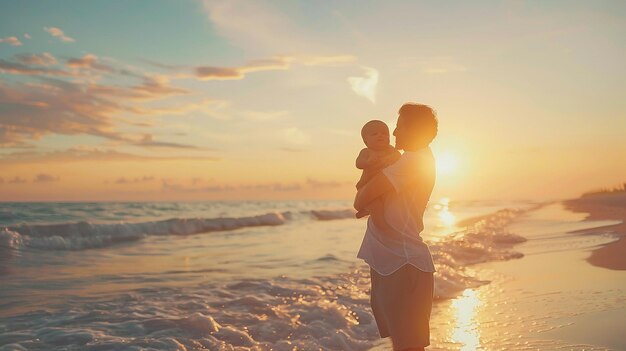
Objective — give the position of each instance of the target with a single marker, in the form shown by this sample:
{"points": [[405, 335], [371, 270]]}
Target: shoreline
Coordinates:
{"points": [[604, 207]]}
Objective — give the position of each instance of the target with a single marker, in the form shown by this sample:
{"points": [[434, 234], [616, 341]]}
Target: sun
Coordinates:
{"points": [[446, 163]]}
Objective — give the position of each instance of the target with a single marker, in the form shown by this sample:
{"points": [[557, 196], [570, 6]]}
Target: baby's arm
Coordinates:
{"points": [[364, 159]]}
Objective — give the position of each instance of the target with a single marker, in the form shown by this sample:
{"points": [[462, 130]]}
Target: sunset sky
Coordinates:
{"points": [[202, 100]]}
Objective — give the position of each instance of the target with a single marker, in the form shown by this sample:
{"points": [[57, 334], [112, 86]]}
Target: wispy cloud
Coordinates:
{"points": [[88, 61], [84, 153], [25, 69], [314, 183], [124, 180], [45, 178], [295, 136], [148, 141], [275, 63], [43, 59], [178, 186], [58, 33], [255, 25], [365, 86], [212, 186], [88, 66], [27, 36], [17, 180], [31, 110], [13, 41], [263, 116]]}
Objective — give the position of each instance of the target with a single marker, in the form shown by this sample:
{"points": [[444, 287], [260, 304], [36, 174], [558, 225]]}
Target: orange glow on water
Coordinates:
{"points": [[467, 329]]}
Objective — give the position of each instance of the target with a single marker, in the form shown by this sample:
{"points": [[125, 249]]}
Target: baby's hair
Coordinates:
{"points": [[371, 124]]}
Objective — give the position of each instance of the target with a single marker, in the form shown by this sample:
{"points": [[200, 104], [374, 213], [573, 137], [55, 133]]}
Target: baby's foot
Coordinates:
{"points": [[362, 214]]}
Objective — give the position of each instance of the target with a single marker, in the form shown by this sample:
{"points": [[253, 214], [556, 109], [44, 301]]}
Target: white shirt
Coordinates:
{"points": [[413, 178]]}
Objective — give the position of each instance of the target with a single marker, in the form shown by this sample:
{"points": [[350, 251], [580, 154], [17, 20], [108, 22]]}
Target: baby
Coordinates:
{"points": [[377, 155]]}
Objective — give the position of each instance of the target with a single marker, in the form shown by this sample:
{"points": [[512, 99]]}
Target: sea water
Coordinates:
{"points": [[247, 275]]}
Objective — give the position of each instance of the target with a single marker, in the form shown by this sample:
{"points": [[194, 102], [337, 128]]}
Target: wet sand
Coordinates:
{"points": [[551, 298], [605, 207]]}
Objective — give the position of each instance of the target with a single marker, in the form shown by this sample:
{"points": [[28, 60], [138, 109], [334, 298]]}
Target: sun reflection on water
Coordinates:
{"points": [[446, 218], [467, 331]]}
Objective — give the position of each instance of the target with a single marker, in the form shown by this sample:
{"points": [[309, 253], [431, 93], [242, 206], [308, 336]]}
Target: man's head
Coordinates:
{"points": [[416, 127], [375, 135]]}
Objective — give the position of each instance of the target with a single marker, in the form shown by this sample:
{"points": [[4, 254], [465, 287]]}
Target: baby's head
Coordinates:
{"points": [[375, 135]]}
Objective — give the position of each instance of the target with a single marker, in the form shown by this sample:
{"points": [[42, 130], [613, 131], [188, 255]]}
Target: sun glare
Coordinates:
{"points": [[446, 163], [467, 332]]}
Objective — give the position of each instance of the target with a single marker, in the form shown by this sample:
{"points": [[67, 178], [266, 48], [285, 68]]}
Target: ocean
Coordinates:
{"points": [[244, 275]]}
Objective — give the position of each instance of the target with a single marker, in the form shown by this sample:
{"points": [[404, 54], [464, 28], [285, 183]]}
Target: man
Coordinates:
{"points": [[400, 263]]}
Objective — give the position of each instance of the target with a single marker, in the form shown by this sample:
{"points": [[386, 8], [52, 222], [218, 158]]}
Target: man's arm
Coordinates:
{"points": [[376, 187]]}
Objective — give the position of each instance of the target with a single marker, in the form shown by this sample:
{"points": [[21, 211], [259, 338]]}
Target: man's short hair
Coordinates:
{"points": [[421, 119]]}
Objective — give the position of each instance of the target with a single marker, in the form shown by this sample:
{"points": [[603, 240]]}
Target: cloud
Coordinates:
{"points": [[144, 179], [88, 66], [253, 25], [295, 136], [148, 141], [219, 73], [273, 187], [263, 116], [17, 180], [222, 73], [152, 88], [27, 36], [90, 62], [199, 185], [44, 59], [13, 41], [58, 33], [327, 60], [365, 86], [83, 153], [275, 63], [167, 185], [45, 178], [176, 186], [31, 110], [313, 183], [56, 106], [20, 68]]}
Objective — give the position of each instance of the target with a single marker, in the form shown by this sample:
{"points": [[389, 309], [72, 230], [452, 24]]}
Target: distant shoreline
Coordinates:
{"points": [[605, 206]]}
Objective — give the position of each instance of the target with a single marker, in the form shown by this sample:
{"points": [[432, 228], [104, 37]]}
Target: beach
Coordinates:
{"points": [[284, 276], [611, 206], [568, 291]]}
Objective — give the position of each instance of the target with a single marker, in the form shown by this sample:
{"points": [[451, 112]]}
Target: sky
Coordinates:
{"points": [[158, 100]]}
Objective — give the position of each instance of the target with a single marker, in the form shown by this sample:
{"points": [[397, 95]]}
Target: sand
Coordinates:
{"points": [[605, 207], [551, 298]]}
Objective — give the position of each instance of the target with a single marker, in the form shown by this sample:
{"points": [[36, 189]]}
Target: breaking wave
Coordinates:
{"points": [[87, 235]]}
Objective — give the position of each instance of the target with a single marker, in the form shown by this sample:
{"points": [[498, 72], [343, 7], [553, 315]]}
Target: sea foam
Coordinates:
{"points": [[328, 312], [86, 235]]}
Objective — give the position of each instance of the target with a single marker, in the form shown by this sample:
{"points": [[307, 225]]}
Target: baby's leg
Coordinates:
{"points": [[377, 213], [362, 213]]}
